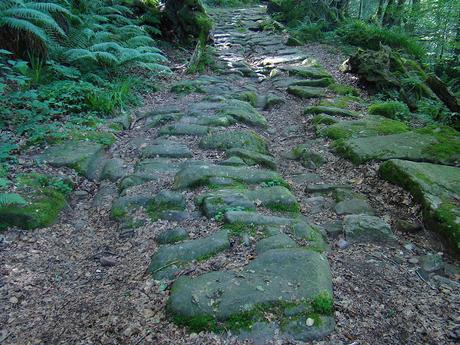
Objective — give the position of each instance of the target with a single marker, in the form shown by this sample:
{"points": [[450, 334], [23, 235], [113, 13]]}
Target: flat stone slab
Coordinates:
{"points": [[170, 259], [241, 139], [254, 218], [82, 156], [170, 150], [308, 72], [199, 175], [180, 129], [114, 169], [306, 91], [353, 206], [242, 112], [252, 158], [275, 242], [437, 188], [330, 111], [425, 145], [365, 228], [277, 198], [172, 236], [370, 126], [273, 283]]}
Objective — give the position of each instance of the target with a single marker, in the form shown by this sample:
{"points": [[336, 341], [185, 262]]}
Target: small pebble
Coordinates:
{"points": [[108, 261], [342, 244], [310, 322], [413, 260]]}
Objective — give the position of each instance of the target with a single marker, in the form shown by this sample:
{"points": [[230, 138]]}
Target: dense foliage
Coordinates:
{"points": [[404, 44], [64, 64]]}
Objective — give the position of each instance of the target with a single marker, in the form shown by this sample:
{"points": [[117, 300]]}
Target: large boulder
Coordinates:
{"points": [[186, 19], [437, 188]]}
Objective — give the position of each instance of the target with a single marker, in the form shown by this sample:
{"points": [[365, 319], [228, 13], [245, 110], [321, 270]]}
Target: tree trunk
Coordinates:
{"points": [[380, 11], [393, 13]]}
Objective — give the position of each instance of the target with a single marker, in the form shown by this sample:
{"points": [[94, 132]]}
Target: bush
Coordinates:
{"points": [[308, 32], [371, 36], [393, 110]]}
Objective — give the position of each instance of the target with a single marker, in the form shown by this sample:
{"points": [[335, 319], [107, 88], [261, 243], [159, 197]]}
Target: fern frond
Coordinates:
{"points": [[106, 46], [106, 58], [48, 7], [139, 41], [154, 67], [11, 199], [25, 26], [79, 54]]}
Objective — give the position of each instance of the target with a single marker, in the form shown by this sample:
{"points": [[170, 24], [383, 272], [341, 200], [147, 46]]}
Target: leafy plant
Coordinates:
{"points": [[11, 199]]}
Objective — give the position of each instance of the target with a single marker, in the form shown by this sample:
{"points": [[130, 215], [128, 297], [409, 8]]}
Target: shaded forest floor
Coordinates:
{"points": [[84, 280]]}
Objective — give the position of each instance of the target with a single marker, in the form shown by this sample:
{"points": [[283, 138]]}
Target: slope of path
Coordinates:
{"points": [[201, 228]]}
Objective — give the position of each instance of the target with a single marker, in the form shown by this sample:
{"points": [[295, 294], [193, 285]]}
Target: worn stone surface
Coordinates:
{"points": [[330, 111], [275, 242], [417, 145], [254, 218], [243, 139], [437, 188], [114, 169], [201, 174], [184, 129], [274, 277], [353, 206], [172, 236], [169, 259], [365, 228], [307, 157], [252, 158], [306, 91], [170, 150], [367, 127], [83, 156]]}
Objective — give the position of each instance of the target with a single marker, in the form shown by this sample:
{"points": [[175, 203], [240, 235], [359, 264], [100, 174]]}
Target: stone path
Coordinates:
{"points": [[227, 182]]}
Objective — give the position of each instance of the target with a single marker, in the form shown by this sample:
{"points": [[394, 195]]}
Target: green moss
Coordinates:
{"points": [[391, 110], [340, 102], [278, 311], [248, 96], [448, 144], [322, 119], [344, 90], [237, 229], [294, 208], [42, 210], [323, 304], [447, 216], [118, 212], [336, 133]]}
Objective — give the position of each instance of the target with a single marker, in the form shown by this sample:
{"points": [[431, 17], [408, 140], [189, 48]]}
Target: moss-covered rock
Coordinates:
{"points": [[44, 196], [369, 126], [252, 158], [330, 111], [241, 139], [198, 175], [307, 157], [243, 112], [186, 18], [170, 259], [306, 91], [391, 110], [431, 144], [85, 157], [271, 284], [308, 72], [437, 188]]}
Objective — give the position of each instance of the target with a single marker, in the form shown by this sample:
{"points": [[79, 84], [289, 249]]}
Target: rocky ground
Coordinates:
{"points": [[220, 216]]}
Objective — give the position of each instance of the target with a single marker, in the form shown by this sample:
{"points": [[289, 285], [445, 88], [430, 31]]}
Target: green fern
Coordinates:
{"points": [[11, 199]]}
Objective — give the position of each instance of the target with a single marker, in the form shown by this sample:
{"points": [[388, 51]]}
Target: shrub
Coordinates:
{"points": [[308, 32], [393, 110], [371, 36]]}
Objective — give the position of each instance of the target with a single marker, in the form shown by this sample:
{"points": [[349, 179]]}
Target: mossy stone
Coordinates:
{"points": [[251, 157], [275, 242], [366, 228], [198, 175], [169, 259], [241, 139], [306, 91], [172, 236], [333, 111], [431, 144], [42, 210], [437, 188], [180, 129]]}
